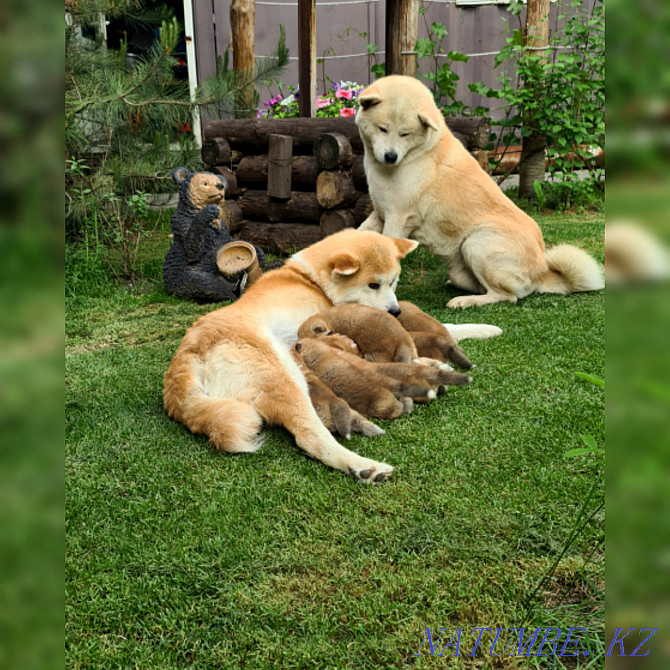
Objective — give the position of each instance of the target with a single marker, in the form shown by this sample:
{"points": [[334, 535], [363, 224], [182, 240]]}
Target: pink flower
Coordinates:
{"points": [[347, 111], [341, 93], [323, 102]]}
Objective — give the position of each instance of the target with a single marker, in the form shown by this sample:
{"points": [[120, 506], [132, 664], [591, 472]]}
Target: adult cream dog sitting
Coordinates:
{"points": [[234, 368], [425, 185]]}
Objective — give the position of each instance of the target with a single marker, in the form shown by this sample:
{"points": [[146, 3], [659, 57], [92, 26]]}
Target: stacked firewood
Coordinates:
{"points": [[292, 182]]}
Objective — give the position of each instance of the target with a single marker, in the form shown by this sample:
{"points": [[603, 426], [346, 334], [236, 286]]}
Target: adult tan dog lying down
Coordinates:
{"points": [[234, 368], [425, 186]]}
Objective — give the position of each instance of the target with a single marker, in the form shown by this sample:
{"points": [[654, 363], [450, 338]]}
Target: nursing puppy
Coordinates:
{"points": [[425, 185], [234, 369], [435, 378], [424, 375], [356, 380], [335, 413], [431, 338], [378, 335]]}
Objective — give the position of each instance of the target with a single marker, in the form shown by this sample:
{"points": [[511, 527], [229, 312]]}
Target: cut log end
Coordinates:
{"points": [[335, 189], [333, 150]]}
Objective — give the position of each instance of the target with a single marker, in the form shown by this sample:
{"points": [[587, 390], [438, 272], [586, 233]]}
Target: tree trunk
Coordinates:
{"points": [[402, 30], [242, 24], [307, 57], [534, 144]]}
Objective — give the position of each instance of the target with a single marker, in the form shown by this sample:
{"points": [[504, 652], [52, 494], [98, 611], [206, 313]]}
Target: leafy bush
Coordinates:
{"points": [[560, 96]]}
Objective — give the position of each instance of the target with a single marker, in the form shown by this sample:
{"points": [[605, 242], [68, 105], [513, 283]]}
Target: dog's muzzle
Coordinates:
{"points": [[390, 157]]}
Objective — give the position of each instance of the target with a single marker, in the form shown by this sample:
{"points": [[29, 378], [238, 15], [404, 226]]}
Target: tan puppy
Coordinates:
{"points": [[356, 380], [424, 375], [335, 413], [341, 342], [435, 378], [234, 370], [378, 335], [425, 185], [431, 338]]}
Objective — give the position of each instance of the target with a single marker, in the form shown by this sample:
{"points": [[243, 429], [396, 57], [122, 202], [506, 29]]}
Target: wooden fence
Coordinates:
{"points": [[346, 27]]}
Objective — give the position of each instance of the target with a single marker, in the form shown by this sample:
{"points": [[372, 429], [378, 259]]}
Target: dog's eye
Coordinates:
{"points": [[383, 129], [373, 285], [404, 134]]}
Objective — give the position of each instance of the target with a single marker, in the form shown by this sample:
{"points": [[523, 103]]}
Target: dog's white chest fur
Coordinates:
{"points": [[393, 190]]}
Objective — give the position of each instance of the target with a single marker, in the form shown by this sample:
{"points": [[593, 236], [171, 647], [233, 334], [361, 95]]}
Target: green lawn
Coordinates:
{"points": [[181, 557]]}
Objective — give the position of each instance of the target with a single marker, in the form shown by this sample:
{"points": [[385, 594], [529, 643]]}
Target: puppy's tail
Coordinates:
{"points": [[570, 270], [230, 425]]}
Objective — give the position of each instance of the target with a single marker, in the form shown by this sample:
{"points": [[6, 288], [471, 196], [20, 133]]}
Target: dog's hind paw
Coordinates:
{"points": [[371, 472]]}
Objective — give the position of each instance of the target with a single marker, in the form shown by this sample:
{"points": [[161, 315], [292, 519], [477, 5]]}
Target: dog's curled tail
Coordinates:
{"points": [[230, 425], [571, 270]]}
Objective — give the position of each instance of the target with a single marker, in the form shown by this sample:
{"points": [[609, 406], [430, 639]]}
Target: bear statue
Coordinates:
{"points": [[199, 230]]}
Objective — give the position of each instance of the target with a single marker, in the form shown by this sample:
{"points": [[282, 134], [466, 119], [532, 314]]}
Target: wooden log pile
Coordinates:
{"points": [[292, 182]]}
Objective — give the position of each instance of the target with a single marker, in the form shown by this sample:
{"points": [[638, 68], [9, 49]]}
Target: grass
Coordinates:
{"points": [[181, 557]]}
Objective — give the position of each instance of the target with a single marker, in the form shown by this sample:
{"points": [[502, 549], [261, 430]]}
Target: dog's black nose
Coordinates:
{"points": [[395, 311], [390, 157]]}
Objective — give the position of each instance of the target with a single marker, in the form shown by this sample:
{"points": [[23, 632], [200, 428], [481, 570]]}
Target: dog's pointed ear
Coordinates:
{"points": [[404, 246], [369, 97], [345, 264], [427, 120], [180, 175]]}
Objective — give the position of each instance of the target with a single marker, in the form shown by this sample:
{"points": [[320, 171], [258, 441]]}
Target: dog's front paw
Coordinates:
{"points": [[462, 301], [371, 472]]}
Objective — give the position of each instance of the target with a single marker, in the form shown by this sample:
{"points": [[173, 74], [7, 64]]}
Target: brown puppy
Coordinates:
{"points": [[431, 338], [379, 336], [355, 380], [436, 378], [341, 342], [335, 413]]}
